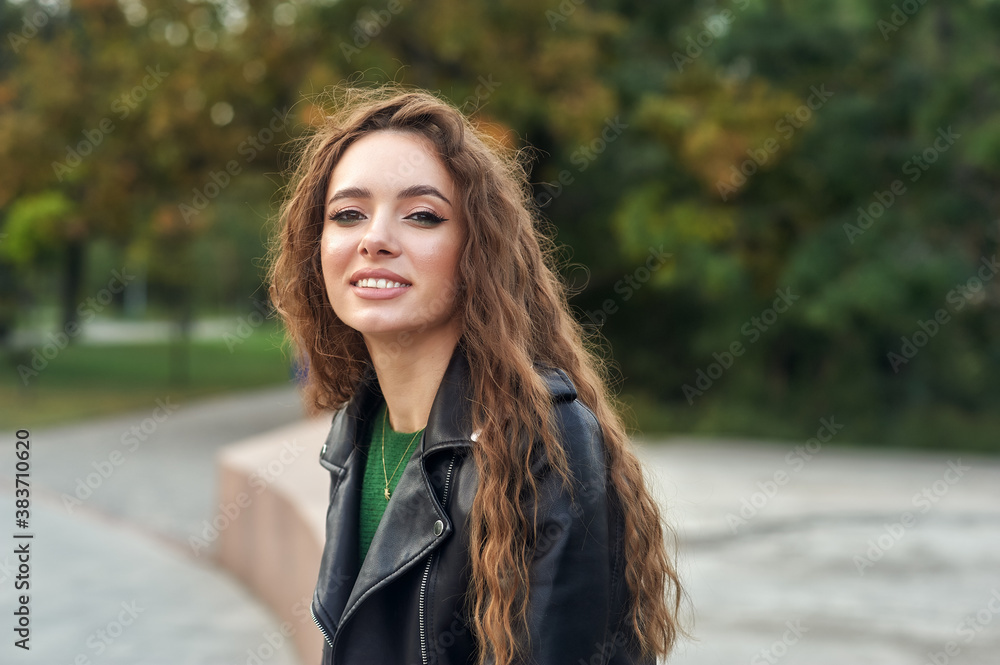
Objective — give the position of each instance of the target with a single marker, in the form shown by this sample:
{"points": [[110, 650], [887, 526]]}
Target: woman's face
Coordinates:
{"points": [[392, 239]]}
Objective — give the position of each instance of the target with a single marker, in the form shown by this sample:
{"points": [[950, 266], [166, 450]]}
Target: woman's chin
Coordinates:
{"points": [[396, 336]]}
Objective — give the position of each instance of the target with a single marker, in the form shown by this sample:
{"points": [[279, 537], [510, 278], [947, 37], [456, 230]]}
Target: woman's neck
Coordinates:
{"points": [[409, 376]]}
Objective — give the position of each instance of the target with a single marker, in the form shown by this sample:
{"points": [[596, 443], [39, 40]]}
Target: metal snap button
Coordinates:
{"points": [[438, 528]]}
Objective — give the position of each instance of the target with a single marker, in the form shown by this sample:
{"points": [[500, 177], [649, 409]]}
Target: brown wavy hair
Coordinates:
{"points": [[514, 312]]}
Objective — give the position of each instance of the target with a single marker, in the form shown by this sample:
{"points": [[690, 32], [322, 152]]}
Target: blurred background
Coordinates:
{"points": [[698, 160], [775, 213]]}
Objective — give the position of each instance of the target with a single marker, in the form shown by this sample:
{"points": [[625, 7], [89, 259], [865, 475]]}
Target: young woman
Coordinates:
{"points": [[485, 505]]}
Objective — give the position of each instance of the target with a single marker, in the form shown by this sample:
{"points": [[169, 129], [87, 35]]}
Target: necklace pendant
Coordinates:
{"points": [[386, 493]]}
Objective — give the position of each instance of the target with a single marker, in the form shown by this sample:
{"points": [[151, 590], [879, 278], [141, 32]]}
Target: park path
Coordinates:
{"points": [[841, 555], [114, 581], [775, 545]]}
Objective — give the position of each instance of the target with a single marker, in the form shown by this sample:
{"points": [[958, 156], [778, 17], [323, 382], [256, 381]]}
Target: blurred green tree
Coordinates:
{"points": [[709, 164]]}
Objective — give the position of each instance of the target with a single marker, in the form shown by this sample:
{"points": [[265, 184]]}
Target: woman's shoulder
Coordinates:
{"points": [[582, 440], [560, 386], [578, 428]]}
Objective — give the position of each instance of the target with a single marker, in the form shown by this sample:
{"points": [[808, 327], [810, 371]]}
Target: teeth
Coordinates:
{"points": [[372, 283]]}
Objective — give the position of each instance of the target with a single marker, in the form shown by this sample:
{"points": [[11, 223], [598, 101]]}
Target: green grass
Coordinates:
{"points": [[90, 381]]}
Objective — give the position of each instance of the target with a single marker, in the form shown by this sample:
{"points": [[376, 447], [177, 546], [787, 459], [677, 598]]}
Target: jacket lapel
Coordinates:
{"points": [[407, 532], [343, 456]]}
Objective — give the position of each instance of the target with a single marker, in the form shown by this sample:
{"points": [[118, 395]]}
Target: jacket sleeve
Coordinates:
{"points": [[577, 593]]}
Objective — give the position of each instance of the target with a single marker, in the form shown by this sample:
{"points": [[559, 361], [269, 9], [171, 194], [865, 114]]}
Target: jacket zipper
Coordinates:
{"points": [[427, 571], [326, 636]]}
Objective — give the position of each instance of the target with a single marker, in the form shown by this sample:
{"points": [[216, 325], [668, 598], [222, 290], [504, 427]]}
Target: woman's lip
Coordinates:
{"points": [[372, 293], [355, 282], [376, 273]]}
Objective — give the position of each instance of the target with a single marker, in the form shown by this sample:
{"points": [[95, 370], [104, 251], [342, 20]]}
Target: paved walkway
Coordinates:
{"points": [[818, 557], [844, 556], [103, 330], [113, 579]]}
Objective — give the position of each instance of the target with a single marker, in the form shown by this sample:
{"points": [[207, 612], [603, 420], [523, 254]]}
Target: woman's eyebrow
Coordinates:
{"points": [[351, 193], [410, 192], [422, 190]]}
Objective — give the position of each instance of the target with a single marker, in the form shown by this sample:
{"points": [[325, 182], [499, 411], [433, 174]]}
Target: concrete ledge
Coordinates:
{"points": [[275, 495]]}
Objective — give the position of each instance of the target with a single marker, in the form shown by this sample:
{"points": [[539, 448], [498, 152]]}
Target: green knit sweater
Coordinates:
{"points": [[373, 501]]}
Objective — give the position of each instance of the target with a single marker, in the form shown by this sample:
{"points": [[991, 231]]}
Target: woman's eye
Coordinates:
{"points": [[426, 217], [346, 216]]}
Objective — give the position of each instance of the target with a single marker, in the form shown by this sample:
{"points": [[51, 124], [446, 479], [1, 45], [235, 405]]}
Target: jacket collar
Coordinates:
{"points": [[448, 424], [450, 420]]}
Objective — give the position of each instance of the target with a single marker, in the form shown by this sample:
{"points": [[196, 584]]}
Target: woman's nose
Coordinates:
{"points": [[378, 238]]}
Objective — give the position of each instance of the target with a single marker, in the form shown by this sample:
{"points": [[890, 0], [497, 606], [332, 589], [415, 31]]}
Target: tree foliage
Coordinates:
{"points": [[846, 155]]}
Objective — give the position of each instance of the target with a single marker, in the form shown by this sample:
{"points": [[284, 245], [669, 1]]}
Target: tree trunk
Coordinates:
{"points": [[180, 348], [72, 277]]}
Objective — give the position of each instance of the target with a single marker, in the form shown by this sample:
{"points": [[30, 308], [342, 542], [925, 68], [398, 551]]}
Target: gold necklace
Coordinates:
{"points": [[384, 418]]}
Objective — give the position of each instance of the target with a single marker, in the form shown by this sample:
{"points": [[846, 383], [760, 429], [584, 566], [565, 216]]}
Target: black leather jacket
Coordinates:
{"points": [[405, 604]]}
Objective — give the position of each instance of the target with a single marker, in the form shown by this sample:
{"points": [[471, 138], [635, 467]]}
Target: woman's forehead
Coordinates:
{"points": [[390, 160]]}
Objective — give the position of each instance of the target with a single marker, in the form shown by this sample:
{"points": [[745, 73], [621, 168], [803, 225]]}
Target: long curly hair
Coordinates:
{"points": [[514, 313]]}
